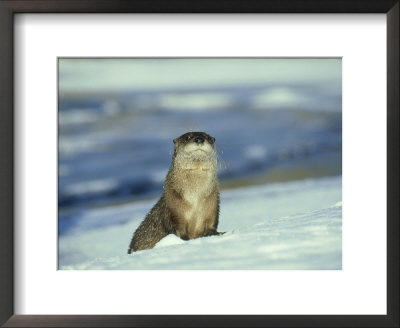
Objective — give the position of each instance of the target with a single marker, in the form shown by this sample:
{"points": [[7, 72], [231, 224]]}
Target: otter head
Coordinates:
{"points": [[195, 147]]}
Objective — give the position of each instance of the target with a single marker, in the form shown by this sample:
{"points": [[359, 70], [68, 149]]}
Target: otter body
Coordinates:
{"points": [[189, 205]]}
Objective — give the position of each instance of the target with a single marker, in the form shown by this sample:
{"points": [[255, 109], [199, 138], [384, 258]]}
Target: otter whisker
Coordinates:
{"points": [[220, 160]]}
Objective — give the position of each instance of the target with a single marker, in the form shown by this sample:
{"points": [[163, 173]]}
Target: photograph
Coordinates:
{"points": [[199, 163]]}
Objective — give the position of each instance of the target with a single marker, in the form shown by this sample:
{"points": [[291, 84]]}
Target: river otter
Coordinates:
{"points": [[189, 205]]}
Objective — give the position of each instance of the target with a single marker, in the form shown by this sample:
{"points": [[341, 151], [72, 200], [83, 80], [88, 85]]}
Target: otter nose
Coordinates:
{"points": [[199, 140]]}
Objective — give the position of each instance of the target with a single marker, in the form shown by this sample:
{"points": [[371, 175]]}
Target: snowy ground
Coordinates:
{"points": [[292, 225]]}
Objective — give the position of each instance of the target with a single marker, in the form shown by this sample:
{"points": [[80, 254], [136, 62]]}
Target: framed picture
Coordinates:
{"points": [[267, 112]]}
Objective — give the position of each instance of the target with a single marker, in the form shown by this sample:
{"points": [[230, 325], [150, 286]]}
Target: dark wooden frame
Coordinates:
{"points": [[7, 10]]}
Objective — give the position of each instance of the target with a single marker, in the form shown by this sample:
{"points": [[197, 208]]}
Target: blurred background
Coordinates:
{"points": [[273, 119]]}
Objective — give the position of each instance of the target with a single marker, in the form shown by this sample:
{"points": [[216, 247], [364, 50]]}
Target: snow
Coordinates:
{"points": [[105, 75], [293, 225], [195, 101], [92, 186], [256, 152], [279, 97]]}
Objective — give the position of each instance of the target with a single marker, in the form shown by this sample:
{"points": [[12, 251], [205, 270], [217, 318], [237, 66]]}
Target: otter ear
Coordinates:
{"points": [[213, 139], [175, 140]]}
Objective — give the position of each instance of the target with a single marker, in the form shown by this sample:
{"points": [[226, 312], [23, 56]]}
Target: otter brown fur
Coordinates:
{"points": [[189, 205]]}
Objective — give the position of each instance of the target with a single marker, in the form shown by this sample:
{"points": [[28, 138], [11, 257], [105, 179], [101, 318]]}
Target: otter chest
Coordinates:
{"points": [[199, 205], [197, 187]]}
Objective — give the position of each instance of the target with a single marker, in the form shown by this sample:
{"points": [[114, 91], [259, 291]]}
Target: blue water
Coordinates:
{"points": [[116, 146]]}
